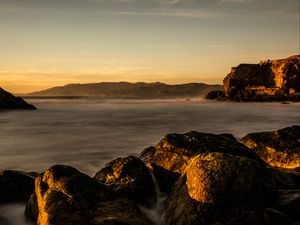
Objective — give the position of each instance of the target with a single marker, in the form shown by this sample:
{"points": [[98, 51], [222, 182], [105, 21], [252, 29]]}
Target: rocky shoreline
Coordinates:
{"points": [[208, 179]]}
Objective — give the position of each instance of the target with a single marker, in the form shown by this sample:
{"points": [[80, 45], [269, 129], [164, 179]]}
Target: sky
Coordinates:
{"points": [[46, 43]]}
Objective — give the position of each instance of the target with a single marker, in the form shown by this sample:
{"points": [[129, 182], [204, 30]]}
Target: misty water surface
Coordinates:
{"points": [[87, 134]]}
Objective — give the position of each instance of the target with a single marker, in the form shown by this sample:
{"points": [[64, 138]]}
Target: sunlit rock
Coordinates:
{"points": [[220, 188], [172, 153], [67, 197], [131, 177], [278, 148], [268, 80]]}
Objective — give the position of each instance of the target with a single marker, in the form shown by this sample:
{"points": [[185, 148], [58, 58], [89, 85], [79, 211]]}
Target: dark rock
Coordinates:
{"points": [[8, 101], [32, 209], [67, 197], [297, 223], [284, 179], [220, 188], [276, 80], [173, 153], [131, 177], [15, 186], [288, 201], [278, 148], [275, 217], [214, 95]]}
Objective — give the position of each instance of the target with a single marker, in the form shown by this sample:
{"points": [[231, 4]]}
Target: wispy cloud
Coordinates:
{"points": [[188, 13]]}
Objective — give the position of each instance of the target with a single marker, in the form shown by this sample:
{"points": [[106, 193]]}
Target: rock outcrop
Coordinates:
{"points": [[220, 188], [8, 101], [172, 154], [67, 197], [278, 148], [276, 79], [15, 186], [130, 177], [271, 80]]}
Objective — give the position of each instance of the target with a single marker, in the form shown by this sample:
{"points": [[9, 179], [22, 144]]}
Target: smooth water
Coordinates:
{"points": [[88, 133]]}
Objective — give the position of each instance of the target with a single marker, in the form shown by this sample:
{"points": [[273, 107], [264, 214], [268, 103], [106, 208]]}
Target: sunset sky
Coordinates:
{"points": [[46, 43]]}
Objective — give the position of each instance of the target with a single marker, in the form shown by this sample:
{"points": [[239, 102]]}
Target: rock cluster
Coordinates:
{"points": [[8, 101], [271, 80], [209, 179]]}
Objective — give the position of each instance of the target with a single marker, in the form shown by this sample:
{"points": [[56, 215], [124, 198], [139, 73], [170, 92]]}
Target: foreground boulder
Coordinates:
{"points": [[278, 148], [131, 177], [288, 201], [171, 155], [269, 80], [220, 188], [15, 186], [67, 197], [8, 101]]}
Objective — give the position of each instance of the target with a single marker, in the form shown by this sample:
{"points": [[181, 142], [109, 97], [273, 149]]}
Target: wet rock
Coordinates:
{"points": [[275, 217], [15, 186], [32, 209], [9, 101], [130, 177], [172, 153], [284, 179], [215, 95], [289, 202], [220, 188], [67, 197], [278, 148]]}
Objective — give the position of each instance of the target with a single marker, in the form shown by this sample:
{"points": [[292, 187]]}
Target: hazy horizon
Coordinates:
{"points": [[56, 42]]}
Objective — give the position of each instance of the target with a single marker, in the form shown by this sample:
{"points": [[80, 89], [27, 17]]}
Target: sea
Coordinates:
{"points": [[86, 133]]}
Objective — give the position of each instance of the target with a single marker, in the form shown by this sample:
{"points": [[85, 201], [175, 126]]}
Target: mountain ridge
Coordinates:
{"points": [[129, 90]]}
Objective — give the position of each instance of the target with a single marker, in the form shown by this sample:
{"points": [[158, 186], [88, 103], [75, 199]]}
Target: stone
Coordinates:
{"points": [[288, 201], [130, 177], [276, 80], [277, 148], [15, 186], [220, 188], [275, 217], [214, 95], [66, 196], [173, 152], [9, 101]]}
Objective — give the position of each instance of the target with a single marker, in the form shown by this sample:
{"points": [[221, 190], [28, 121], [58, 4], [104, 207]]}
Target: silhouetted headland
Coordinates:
{"points": [[9, 101]]}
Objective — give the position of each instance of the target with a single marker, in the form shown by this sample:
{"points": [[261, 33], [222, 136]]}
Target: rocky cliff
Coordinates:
{"points": [[278, 79], [271, 80], [9, 101]]}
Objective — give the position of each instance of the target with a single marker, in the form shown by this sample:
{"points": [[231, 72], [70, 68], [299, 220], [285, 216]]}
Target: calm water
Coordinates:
{"points": [[87, 134]]}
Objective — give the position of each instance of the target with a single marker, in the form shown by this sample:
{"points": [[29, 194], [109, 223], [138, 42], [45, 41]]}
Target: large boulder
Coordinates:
{"points": [[288, 201], [131, 177], [8, 101], [15, 186], [65, 196], [268, 80], [219, 188], [278, 148], [172, 154]]}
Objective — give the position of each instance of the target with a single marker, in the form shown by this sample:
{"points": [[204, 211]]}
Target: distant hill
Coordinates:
{"points": [[130, 90]]}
